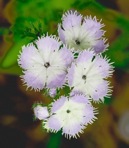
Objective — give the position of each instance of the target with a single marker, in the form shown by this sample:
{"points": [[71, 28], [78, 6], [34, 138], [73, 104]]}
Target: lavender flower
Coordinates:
{"points": [[45, 65], [71, 115], [88, 75], [81, 33], [41, 112]]}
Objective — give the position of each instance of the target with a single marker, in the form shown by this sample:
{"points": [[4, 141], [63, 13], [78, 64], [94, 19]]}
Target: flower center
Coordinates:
{"points": [[68, 111], [77, 42], [84, 77], [47, 64]]}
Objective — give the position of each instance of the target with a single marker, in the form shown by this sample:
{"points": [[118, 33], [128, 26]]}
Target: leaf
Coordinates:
{"points": [[11, 56]]}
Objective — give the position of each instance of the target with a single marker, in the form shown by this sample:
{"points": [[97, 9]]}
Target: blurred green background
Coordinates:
{"points": [[21, 21]]}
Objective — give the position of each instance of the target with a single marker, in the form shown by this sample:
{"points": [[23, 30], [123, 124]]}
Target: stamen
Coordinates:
{"points": [[68, 111], [47, 64], [77, 42], [84, 77]]}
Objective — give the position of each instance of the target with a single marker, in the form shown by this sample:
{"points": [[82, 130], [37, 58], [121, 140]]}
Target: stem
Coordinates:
{"points": [[54, 140]]}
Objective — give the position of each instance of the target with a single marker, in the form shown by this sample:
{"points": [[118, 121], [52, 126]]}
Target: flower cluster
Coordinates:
{"points": [[73, 61]]}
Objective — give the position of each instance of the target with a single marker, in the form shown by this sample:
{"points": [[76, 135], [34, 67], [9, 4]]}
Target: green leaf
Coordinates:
{"points": [[108, 101], [118, 51], [11, 56]]}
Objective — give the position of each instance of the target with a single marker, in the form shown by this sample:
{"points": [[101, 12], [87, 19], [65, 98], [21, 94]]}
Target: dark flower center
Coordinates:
{"points": [[84, 77], [68, 111], [77, 42], [47, 64]]}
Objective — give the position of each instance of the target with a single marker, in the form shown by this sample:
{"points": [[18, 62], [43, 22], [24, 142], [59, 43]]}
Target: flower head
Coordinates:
{"points": [[41, 112], [71, 115], [82, 32], [88, 75], [45, 65]]}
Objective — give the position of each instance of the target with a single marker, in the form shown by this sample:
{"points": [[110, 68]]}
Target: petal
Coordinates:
{"points": [[55, 77], [104, 67], [35, 79], [58, 104], [48, 42], [100, 46], [80, 99], [100, 91], [66, 55], [61, 33], [75, 75], [91, 85], [89, 114], [72, 130], [85, 56], [29, 57], [47, 45], [71, 19], [53, 123], [92, 23]]}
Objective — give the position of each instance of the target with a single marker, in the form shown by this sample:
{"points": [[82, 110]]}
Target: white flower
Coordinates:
{"points": [[71, 115], [45, 66], [88, 75], [41, 112], [82, 33]]}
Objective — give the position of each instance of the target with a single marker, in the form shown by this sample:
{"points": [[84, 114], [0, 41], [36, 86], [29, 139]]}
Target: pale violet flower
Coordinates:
{"points": [[40, 112], [81, 33], [71, 115], [45, 65], [88, 75]]}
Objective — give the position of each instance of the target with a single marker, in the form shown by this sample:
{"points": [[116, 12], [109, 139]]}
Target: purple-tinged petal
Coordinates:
{"points": [[89, 114], [101, 91], [61, 33], [56, 80], [54, 123], [104, 67], [58, 104], [73, 130], [99, 34], [71, 19], [91, 23], [47, 43], [80, 99], [66, 55], [100, 46], [75, 92], [29, 56], [85, 56], [34, 79]]}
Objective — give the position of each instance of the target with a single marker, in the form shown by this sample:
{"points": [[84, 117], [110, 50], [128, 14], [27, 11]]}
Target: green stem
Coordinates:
{"points": [[54, 140]]}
